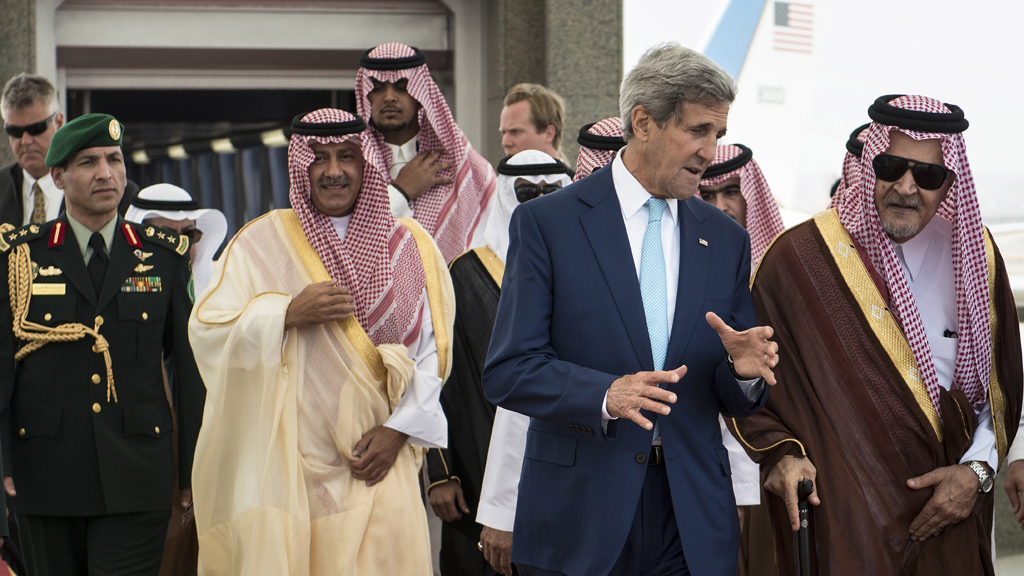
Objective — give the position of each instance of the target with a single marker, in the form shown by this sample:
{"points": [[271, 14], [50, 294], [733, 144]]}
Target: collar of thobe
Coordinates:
{"points": [[340, 224], [405, 152], [82, 235], [632, 195], [913, 251]]}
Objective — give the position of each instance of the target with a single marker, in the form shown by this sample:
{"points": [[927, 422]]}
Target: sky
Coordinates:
{"points": [[796, 110]]}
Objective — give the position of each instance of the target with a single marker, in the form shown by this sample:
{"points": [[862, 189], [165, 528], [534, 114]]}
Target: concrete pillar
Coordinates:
{"points": [[18, 46], [573, 47], [583, 59]]}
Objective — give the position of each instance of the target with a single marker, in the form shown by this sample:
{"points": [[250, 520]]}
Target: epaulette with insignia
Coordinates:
{"points": [[16, 236], [157, 235]]}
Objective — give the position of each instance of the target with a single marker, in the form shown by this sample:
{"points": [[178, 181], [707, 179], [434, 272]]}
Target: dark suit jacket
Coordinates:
{"points": [[70, 450], [12, 210], [571, 321]]}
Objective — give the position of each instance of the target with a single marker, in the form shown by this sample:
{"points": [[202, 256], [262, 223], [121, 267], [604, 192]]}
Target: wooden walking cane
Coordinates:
{"points": [[804, 490]]}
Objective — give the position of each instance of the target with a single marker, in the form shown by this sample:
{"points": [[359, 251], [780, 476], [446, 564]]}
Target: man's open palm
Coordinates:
{"points": [[753, 354]]}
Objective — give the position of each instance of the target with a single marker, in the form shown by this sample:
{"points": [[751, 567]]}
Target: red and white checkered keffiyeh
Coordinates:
{"points": [[764, 222], [452, 212], [851, 172], [859, 216], [378, 260], [591, 160]]}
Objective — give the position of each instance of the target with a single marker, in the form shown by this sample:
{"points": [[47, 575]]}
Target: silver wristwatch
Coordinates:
{"points": [[985, 480]]}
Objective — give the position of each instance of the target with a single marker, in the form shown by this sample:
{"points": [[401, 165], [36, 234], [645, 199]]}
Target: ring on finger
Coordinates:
{"points": [[480, 545]]}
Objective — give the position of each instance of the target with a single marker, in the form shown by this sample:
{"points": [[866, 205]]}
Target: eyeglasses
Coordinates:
{"points": [[34, 129], [927, 176], [194, 235], [527, 192]]}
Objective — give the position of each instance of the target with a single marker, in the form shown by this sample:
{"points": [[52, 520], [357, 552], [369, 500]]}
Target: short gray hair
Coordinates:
{"points": [[25, 90], [668, 76]]}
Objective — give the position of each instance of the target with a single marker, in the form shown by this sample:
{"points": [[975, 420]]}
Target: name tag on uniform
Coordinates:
{"points": [[48, 289], [142, 284]]}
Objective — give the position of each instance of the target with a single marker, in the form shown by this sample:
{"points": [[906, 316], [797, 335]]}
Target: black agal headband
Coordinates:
{"points": [[354, 126], [855, 146], [729, 165], [558, 167], [598, 142], [883, 113], [403, 63]]}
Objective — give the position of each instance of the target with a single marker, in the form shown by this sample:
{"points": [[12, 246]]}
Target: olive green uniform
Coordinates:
{"points": [[93, 472]]}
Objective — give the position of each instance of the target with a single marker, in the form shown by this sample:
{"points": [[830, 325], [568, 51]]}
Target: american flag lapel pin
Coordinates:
{"points": [[702, 241]]}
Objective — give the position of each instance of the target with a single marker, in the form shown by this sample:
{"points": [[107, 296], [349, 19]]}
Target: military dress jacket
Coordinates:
{"points": [[72, 449]]}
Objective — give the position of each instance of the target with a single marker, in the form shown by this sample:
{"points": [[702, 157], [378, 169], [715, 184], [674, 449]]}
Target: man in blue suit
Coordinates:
{"points": [[623, 295]]}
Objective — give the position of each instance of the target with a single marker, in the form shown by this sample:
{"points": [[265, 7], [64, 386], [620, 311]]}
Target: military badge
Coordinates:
{"points": [[142, 284], [114, 129], [48, 271], [143, 268], [142, 255], [150, 231]]}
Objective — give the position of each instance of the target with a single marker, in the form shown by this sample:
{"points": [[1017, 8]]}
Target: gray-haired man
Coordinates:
{"points": [[592, 343]]}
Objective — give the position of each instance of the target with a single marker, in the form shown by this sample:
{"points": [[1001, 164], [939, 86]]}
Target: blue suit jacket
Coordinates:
{"points": [[570, 321]]}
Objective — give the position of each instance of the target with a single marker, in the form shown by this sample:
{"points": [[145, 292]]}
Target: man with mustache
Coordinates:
{"points": [[31, 115], [903, 392], [625, 327], [435, 174], [324, 340], [92, 307]]}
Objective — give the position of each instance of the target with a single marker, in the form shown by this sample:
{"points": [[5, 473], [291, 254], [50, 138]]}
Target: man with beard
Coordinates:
{"points": [[456, 473], [324, 340], [735, 185], [435, 174], [903, 390], [616, 333]]}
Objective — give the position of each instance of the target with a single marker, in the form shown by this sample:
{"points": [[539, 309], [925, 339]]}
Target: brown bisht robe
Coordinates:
{"points": [[846, 397]]}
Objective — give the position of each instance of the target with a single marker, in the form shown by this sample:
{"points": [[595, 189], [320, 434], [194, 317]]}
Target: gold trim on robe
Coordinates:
{"points": [[495, 267], [428, 255], [995, 394], [876, 311]]}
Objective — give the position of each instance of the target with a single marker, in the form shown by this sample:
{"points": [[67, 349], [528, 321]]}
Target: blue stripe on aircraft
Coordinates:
{"points": [[731, 41]]}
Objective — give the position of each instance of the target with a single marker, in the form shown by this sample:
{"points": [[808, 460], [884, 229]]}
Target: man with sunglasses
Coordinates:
{"points": [[903, 391], [457, 473], [31, 116]]}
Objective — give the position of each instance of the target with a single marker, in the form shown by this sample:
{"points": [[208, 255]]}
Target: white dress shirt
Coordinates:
{"points": [[633, 199], [400, 156], [52, 195], [419, 412], [927, 261]]}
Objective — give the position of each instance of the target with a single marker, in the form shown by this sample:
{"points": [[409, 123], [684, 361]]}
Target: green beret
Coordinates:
{"points": [[89, 131]]}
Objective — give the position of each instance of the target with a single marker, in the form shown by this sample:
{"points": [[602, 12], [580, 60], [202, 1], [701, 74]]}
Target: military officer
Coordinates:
{"points": [[85, 423]]}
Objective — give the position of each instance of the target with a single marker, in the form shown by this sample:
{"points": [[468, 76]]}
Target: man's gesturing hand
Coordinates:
{"points": [[1014, 486], [319, 303], [956, 489], [497, 548], [783, 480], [628, 395], [420, 174], [753, 354], [376, 453]]}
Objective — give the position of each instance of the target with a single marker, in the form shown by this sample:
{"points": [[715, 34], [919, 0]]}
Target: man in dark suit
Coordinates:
{"points": [[84, 420], [592, 342], [31, 116]]}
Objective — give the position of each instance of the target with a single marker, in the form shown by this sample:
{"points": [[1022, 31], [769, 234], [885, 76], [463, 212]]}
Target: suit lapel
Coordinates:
{"points": [[69, 259], [694, 262], [118, 268], [606, 232]]}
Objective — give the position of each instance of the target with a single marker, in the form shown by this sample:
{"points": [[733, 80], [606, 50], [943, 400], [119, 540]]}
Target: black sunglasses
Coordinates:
{"points": [[34, 129], [527, 192], [891, 168]]}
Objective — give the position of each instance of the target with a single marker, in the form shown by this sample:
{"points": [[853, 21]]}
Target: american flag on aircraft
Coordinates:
{"points": [[794, 25]]}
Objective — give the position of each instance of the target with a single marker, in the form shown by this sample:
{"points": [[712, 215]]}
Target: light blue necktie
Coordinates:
{"points": [[653, 287]]}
